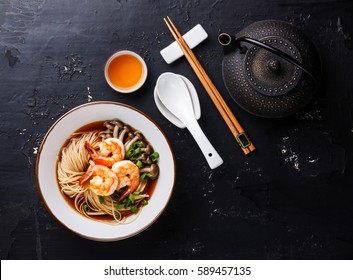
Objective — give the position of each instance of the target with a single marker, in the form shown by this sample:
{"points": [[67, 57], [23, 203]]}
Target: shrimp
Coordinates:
{"points": [[129, 176], [111, 150], [103, 180]]}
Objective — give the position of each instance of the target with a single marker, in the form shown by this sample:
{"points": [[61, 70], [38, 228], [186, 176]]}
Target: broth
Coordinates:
{"points": [[125, 71]]}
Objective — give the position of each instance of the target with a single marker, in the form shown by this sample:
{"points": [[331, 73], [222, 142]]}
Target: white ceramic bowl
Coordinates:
{"points": [[133, 88], [46, 170]]}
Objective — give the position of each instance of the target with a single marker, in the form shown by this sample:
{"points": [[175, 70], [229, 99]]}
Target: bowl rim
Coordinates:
{"points": [[38, 157]]}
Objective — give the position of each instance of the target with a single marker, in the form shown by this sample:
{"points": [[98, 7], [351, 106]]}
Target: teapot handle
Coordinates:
{"points": [[230, 42]]}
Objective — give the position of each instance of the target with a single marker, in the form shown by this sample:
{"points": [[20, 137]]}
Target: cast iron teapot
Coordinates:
{"points": [[270, 68]]}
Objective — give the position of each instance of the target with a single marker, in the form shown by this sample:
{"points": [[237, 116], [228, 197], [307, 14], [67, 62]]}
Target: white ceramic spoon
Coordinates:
{"points": [[169, 115], [175, 96]]}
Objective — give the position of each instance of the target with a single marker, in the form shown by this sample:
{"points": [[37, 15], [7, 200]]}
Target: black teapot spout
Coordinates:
{"points": [[228, 42]]}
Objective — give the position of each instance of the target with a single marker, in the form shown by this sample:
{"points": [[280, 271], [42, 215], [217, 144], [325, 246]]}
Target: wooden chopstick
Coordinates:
{"points": [[233, 124]]}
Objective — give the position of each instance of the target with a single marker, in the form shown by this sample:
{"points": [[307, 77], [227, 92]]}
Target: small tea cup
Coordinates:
{"points": [[125, 71]]}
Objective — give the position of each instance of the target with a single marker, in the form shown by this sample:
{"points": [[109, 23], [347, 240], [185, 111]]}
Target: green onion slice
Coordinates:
{"points": [[154, 156], [101, 199], [145, 176], [139, 164], [132, 198]]}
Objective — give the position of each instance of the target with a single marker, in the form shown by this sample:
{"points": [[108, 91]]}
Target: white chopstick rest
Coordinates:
{"points": [[193, 37]]}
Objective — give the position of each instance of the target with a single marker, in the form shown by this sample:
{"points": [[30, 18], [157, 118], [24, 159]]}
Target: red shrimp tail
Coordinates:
{"points": [[126, 193], [82, 180], [92, 152], [85, 177], [90, 148]]}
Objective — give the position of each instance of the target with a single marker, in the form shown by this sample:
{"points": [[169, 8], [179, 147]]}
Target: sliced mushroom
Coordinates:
{"points": [[153, 169], [116, 131], [148, 160], [130, 135], [117, 126], [122, 134], [105, 134], [108, 125], [137, 136], [147, 150], [143, 158], [117, 123]]}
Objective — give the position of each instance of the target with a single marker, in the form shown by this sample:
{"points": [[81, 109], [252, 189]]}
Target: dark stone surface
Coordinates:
{"points": [[291, 199]]}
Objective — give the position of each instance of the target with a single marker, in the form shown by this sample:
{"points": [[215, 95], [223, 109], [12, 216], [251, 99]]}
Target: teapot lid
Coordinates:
{"points": [[273, 69]]}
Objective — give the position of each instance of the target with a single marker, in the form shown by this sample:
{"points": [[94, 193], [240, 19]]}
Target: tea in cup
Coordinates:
{"points": [[125, 71]]}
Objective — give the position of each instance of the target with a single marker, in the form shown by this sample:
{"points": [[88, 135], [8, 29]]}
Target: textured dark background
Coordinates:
{"points": [[291, 199]]}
